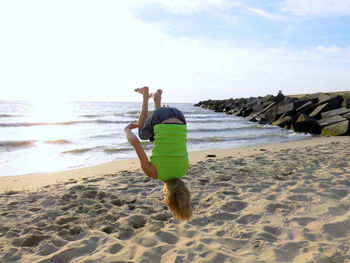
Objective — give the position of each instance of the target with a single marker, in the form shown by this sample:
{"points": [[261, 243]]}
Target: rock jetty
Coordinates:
{"points": [[327, 114]]}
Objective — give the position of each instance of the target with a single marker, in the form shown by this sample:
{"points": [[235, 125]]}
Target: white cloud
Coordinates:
{"points": [[330, 49], [316, 8], [264, 14]]}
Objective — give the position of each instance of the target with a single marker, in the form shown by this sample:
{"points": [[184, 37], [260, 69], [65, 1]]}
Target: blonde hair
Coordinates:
{"points": [[178, 199]]}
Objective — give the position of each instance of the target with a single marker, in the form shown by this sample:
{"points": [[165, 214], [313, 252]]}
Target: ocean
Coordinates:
{"points": [[51, 136]]}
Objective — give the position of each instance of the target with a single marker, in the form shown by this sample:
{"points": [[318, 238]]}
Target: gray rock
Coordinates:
{"points": [[305, 123], [270, 114], [347, 115], [346, 101], [336, 129], [331, 113], [334, 101], [330, 120], [270, 104], [308, 98], [279, 98], [266, 98], [305, 108], [316, 113], [284, 122], [285, 108]]}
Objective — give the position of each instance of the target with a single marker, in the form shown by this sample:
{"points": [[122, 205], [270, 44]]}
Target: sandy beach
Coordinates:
{"points": [[284, 202]]}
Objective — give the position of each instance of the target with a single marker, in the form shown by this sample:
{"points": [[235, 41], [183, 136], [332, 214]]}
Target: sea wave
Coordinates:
{"points": [[222, 129], [9, 115], [111, 135], [62, 141], [133, 112], [91, 116], [79, 150], [17, 144], [208, 120], [117, 150], [29, 124]]}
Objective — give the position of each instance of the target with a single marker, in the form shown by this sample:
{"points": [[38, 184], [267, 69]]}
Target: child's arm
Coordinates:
{"points": [[149, 169]]}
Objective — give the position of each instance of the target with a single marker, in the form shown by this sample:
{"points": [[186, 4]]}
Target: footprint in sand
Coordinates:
{"points": [[234, 206], [270, 233], [134, 221], [167, 237], [114, 248], [45, 249], [147, 241], [337, 230], [29, 240], [81, 248], [338, 193], [12, 255], [248, 219], [335, 211], [276, 207], [302, 198], [288, 252], [223, 216], [303, 221]]}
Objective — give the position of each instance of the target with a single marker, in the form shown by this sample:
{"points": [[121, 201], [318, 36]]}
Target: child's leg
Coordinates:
{"points": [[157, 97], [144, 109]]}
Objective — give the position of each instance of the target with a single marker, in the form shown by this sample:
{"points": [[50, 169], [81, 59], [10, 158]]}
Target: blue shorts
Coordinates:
{"points": [[157, 117]]}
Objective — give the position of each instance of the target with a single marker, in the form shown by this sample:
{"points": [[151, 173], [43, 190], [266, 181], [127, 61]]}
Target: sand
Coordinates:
{"points": [[286, 202]]}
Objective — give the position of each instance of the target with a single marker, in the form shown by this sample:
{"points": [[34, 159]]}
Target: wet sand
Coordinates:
{"points": [[285, 202]]}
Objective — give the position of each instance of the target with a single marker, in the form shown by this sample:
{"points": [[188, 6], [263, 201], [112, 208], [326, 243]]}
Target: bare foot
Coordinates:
{"points": [[144, 91], [157, 96]]}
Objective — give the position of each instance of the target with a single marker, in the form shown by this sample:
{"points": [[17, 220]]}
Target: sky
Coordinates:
{"points": [[192, 50]]}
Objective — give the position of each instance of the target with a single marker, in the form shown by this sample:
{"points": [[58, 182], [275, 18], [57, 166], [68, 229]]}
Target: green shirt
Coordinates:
{"points": [[169, 153]]}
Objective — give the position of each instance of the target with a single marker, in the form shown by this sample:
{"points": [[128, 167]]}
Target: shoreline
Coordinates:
{"points": [[32, 182]]}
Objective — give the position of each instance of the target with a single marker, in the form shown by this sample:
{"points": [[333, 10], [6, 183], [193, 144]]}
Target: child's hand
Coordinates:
{"points": [[132, 125], [132, 138]]}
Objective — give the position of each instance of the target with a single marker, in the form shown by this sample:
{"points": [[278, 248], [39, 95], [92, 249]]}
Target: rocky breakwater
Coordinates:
{"points": [[320, 113]]}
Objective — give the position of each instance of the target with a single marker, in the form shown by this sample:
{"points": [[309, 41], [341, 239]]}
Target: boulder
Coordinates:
{"points": [[269, 105], [346, 115], [330, 120], [230, 112], [240, 111], [305, 123], [264, 121], [257, 107], [244, 111], [253, 119], [316, 113], [285, 108], [284, 122], [270, 114], [333, 101], [251, 102], [331, 113], [305, 108], [336, 129], [219, 106], [279, 98], [346, 101], [266, 98], [308, 98]]}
